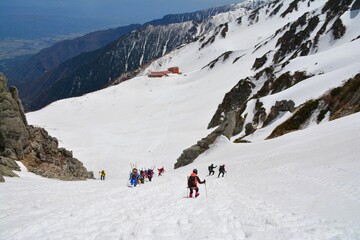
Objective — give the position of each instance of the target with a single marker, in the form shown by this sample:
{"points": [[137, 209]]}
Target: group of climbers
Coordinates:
{"points": [[193, 179], [136, 177], [221, 170]]}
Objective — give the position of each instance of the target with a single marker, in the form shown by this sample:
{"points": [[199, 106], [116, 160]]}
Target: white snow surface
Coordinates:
{"points": [[303, 185]]}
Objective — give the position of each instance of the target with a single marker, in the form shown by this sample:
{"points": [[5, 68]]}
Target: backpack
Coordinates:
{"points": [[222, 168], [191, 181]]}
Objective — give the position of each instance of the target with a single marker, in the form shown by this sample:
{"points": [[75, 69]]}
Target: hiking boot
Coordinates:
{"points": [[190, 195], [197, 194]]}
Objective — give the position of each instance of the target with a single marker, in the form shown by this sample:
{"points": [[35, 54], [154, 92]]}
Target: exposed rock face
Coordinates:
{"points": [[297, 120], [280, 106], [234, 100], [228, 119], [339, 102], [33, 146], [259, 62], [13, 133], [249, 129], [6, 167], [48, 160], [223, 56], [343, 101], [226, 129], [284, 81]]}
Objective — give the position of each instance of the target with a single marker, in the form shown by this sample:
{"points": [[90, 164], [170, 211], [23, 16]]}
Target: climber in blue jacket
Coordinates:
{"points": [[134, 177]]}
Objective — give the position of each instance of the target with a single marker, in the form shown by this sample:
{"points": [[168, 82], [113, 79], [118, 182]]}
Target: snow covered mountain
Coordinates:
{"points": [[49, 58], [93, 70], [279, 95], [290, 65]]}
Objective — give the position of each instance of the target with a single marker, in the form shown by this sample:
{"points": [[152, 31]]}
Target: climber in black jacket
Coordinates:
{"points": [[211, 169]]}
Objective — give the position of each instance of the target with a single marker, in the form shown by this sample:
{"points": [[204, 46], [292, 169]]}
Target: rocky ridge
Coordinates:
{"points": [[32, 146], [295, 39]]}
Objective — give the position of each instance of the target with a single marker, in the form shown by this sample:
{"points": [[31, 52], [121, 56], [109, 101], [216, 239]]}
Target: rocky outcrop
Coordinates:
{"points": [[7, 165], [234, 100], [226, 129], [260, 114], [297, 120], [341, 101], [259, 62], [223, 56], [31, 145], [228, 119], [249, 129], [13, 133], [277, 84], [280, 106]]}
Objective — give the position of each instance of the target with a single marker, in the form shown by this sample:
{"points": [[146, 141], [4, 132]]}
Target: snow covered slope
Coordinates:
{"points": [[300, 186], [272, 42], [303, 185]]}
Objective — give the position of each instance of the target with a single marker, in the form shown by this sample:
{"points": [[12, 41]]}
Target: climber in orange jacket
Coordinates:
{"points": [[193, 180]]}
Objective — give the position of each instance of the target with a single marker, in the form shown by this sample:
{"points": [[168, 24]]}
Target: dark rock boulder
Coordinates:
{"points": [[260, 116], [338, 29], [249, 129], [280, 106], [285, 105]]}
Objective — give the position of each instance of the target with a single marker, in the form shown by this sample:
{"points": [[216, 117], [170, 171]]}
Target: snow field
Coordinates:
{"points": [[303, 185]]}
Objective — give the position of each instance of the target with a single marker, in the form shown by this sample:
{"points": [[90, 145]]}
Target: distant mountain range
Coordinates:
{"points": [[51, 57], [84, 64]]}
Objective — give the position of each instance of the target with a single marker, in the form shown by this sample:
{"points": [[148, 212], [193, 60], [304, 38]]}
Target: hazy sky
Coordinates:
{"points": [[117, 12]]}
